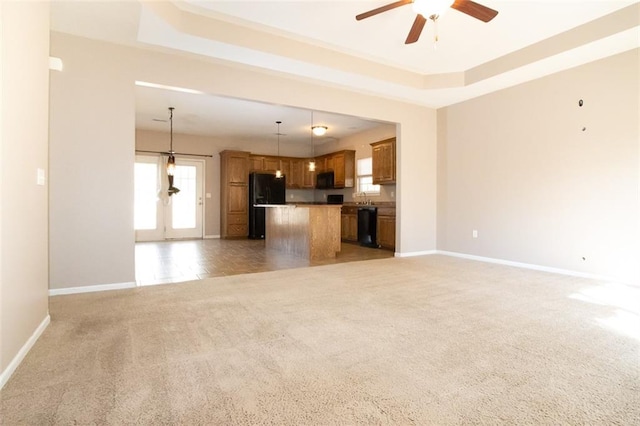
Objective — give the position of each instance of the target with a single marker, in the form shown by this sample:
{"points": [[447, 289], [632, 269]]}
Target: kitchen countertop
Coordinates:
{"points": [[294, 205], [373, 204]]}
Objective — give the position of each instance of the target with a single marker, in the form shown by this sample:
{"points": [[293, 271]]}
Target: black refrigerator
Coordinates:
{"points": [[264, 188]]}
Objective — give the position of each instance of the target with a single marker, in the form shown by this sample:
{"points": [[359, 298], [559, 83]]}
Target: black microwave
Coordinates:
{"points": [[324, 180]]}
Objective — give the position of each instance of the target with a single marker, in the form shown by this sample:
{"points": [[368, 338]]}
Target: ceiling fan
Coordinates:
{"points": [[432, 9]]}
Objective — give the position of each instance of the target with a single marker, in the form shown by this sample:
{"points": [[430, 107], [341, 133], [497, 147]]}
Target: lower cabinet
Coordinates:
{"points": [[386, 228], [349, 224]]}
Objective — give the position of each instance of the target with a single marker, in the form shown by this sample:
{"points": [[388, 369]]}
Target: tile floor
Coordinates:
{"points": [[176, 261]]}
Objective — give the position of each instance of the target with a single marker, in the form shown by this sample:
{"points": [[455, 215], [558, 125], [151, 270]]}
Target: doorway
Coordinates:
{"points": [[158, 216]]}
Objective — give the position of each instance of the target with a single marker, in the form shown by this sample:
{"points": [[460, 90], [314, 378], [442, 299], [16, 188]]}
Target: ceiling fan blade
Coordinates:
{"points": [[382, 9], [416, 29], [475, 10]]}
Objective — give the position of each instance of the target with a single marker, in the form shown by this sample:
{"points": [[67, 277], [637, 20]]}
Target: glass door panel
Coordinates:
{"points": [[185, 207], [148, 221]]}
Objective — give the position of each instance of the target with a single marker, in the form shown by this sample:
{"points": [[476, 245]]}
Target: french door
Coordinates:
{"points": [[159, 216]]}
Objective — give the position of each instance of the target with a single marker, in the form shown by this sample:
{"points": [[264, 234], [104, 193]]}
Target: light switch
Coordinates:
{"points": [[40, 179], [208, 195], [475, 233]]}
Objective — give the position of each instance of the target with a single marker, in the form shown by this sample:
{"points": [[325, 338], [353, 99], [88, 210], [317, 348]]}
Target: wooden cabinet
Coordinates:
{"points": [[270, 164], [344, 164], [308, 177], [321, 164], [349, 224], [329, 163], [255, 163], [263, 163], [298, 175], [386, 227], [234, 196], [384, 161]]}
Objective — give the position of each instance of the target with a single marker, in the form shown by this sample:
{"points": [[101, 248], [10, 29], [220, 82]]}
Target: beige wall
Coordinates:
{"points": [[92, 118], [517, 166], [92, 154], [23, 221]]}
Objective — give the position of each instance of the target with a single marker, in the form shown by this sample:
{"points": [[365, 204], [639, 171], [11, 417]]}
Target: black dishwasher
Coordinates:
{"points": [[367, 218]]}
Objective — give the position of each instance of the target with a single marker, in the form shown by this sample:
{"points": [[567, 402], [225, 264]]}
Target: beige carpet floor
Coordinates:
{"points": [[432, 340]]}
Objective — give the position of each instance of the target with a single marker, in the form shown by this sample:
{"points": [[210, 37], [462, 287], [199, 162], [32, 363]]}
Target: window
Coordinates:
{"points": [[365, 177]]}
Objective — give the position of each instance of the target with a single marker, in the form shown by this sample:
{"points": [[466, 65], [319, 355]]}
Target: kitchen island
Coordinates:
{"points": [[311, 231]]}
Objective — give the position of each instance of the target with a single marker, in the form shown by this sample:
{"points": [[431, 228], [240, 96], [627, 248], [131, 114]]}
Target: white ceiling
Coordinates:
{"points": [[237, 119], [322, 41]]}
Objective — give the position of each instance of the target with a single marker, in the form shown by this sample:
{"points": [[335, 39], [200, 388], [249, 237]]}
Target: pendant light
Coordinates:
{"points": [[312, 162], [278, 172], [171, 162]]}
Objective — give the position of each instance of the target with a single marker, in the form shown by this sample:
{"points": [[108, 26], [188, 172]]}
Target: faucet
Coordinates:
{"points": [[364, 197]]}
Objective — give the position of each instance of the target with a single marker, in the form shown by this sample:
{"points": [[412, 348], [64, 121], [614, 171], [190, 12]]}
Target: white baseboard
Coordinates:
{"points": [[414, 253], [91, 288], [525, 265], [15, 362], [212, 237]]}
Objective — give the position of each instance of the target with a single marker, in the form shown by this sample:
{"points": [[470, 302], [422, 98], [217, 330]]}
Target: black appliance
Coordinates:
{"points": [[335, 199], [367, 218], [324, 180], [264, 188]]}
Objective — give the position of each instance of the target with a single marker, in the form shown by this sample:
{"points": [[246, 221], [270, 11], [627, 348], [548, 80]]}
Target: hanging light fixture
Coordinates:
{"points": [[312, 162], [171, 162], [278, 172]]}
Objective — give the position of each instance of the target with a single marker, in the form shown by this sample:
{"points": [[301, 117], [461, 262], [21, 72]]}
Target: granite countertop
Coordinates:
{"points": [[373, 203], [293, 205]]}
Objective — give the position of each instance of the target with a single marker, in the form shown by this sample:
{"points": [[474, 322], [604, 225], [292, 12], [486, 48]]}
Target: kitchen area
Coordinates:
{"points": [[314, 205]]}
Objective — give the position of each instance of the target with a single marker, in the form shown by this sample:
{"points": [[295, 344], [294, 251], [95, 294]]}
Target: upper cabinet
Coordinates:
{"points": [[299, 176], [262, 163], [384, 161], [343, 166], [296, 170]]}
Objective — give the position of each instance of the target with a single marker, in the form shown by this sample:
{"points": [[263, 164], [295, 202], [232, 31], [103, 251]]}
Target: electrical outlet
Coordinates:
{"points": [[475, 233]]}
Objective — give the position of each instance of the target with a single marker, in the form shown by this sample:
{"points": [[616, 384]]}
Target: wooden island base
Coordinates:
{"points": [[309, 231]]}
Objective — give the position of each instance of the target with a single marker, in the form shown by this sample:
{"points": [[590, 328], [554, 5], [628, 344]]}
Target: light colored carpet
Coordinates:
{"points": [[430, 340]]}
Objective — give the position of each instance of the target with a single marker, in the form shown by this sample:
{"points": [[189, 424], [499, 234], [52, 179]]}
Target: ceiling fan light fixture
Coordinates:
{"points": [[431, 9], [319, 130]]}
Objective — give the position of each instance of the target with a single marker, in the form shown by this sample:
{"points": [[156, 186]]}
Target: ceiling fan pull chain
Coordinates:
{"points": [[435, 32]]}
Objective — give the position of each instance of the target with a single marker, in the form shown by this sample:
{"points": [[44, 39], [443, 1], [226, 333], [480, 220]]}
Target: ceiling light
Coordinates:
{"points": [[431, 9], [319, 130]]}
